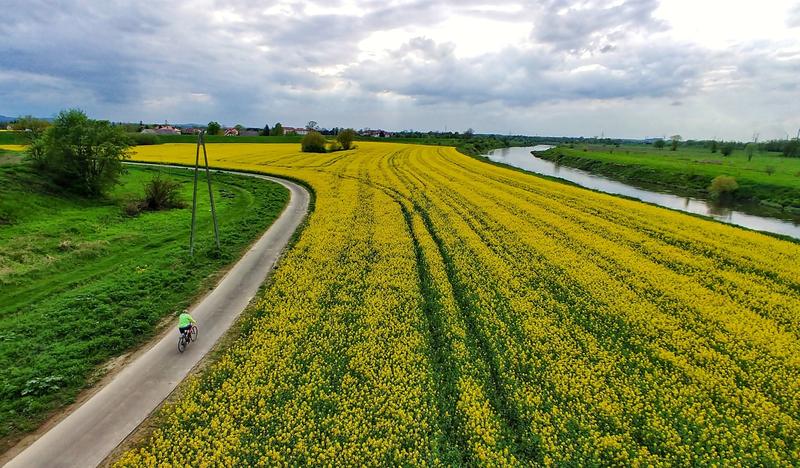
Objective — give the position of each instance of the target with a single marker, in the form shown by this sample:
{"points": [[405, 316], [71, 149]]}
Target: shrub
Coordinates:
{"points": [[726, 149], [723, 187], [313, 142], [140, 139], [335, 146], [769, 170], [346, 137], [132, 208], [162, 194]]}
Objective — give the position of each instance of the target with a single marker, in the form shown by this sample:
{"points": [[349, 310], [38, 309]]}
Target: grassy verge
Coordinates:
{"points": [[81, 282], [769, 181]]}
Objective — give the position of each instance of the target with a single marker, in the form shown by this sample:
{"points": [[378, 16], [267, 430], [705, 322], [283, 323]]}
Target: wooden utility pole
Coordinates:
{"points": [[201, 141]]}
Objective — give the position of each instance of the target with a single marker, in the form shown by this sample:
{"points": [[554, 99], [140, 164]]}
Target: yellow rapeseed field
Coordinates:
{"points": [[440, 310], [12, 147]]}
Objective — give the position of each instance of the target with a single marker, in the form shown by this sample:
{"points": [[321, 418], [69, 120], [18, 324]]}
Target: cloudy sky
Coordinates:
{"points": [[623, 68]]}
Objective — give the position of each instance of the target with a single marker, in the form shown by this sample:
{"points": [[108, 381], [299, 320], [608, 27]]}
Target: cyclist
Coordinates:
{"points": [[185, 322]]}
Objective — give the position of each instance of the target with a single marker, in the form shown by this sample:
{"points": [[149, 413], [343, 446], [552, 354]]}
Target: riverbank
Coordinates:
{"points": [[521, 159], [769, 185]]}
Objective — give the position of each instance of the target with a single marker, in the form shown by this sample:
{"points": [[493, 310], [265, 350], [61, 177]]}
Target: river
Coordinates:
{"points": [[522, 158]]}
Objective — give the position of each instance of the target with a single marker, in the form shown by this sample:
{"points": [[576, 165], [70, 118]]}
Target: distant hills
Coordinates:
{"points": [[5, 118]]}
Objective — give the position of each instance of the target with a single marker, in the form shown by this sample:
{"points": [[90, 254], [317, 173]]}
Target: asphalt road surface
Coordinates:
{"points": [[89, 434]]}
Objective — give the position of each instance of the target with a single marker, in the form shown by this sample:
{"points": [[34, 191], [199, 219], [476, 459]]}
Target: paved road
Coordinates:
{"points": [[88, 435]]}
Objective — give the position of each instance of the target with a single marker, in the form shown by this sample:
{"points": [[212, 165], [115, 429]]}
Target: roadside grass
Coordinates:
{"points": [[8, 157], [769, 178], [81, 283]]}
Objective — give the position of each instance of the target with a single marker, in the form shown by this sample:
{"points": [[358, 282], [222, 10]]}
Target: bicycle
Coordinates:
{"points": [[187, 337]]}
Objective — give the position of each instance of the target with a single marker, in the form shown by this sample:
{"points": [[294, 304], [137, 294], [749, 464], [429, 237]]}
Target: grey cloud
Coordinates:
{"points": [[124, 58], [432, 73], [595, 25]]}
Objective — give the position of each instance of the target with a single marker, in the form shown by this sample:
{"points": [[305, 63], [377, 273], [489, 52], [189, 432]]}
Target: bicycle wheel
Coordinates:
{"points": [[193, 333], [181, 344]]}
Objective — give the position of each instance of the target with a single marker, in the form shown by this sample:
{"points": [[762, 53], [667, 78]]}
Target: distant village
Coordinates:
{"points": [[239, 130]]}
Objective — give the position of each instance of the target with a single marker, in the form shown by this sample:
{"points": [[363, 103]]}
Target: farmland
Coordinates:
{"points": [[440, 310], [82, 282], [768, 178]]}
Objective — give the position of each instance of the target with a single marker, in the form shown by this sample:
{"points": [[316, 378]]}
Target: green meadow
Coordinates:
{"points": [[83, 282], [768, 178]]}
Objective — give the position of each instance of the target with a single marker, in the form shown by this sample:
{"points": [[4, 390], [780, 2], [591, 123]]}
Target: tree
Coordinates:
{"points": [[213, 128], [346, 137], [81, 154], [312, 125], [469, 133], [714, 146], [675, 140], [265, 132], [239, 127], [313, 142], [659, 143], [31, 127], [749, 150], [277, 130]]}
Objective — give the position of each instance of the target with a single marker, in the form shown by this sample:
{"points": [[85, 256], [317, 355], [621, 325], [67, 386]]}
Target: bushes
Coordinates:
{"points": [[313, 142], [791, 149], [159, 194], [346, 137], [723, 187], [140, 139], [726, 149], [162, 194]]}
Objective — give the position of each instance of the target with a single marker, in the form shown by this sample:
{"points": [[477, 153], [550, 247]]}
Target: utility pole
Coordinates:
{"points": [[202, 142]]}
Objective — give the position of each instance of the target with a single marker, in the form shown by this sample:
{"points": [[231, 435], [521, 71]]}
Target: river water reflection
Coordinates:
{"points": [[521, 157]]}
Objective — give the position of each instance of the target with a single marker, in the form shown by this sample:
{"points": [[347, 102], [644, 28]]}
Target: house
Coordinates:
{"points": [[250, 132], [296, 130], [190, 131], [375, 133], [231, 132], [167, 130], [148, 131]]}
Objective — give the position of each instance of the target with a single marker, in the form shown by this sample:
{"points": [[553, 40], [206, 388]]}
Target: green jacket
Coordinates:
{"points": [[185, 320]]}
